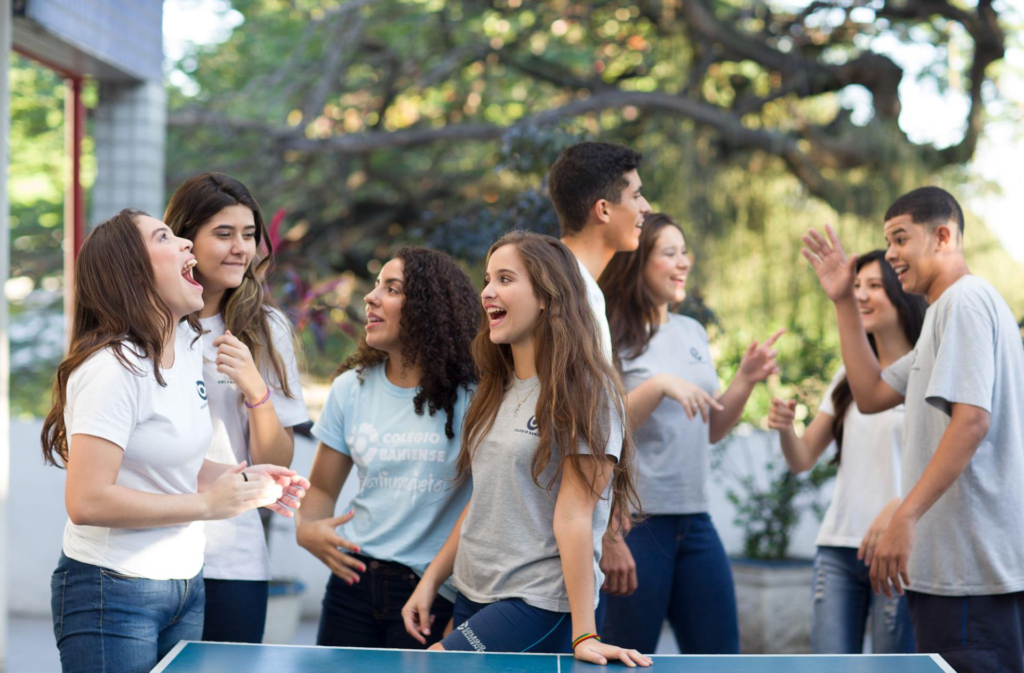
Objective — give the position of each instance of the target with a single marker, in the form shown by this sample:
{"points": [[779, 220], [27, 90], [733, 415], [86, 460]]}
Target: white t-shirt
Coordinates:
{"points": [[236, 548], [869, 470], [597, 305], [164, 432]]}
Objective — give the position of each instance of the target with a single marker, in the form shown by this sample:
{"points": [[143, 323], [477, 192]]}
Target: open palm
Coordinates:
{"points": [[835, 271]]}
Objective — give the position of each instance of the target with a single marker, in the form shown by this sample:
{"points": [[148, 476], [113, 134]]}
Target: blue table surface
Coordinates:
{"points": [[189, 657]]}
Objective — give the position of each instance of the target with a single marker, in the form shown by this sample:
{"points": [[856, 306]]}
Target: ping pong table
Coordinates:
{"points": [[193, 657]]}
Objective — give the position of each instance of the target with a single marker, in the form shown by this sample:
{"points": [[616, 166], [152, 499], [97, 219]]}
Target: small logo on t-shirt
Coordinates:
{"points": [[695, 354], [531, 427], [201, 389]]}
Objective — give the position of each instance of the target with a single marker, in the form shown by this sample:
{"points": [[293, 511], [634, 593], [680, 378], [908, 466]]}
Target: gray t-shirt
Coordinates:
{"points": [[507, 548], [595, 297], [673, 451], [971, 542]]}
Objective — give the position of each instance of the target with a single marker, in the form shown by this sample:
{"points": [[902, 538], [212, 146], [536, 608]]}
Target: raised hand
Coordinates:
{"points": [[835, 272], [293, 484], [758, 362], [781, 414], [235, 360]]}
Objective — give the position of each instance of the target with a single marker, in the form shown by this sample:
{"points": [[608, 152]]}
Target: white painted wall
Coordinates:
{"points": [[37, 516]]}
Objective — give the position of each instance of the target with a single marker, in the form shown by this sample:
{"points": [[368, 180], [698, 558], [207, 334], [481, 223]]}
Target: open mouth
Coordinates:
{"points": [[496, 315], [678, 280], [373, 320], [186, 272], [901, 271]]}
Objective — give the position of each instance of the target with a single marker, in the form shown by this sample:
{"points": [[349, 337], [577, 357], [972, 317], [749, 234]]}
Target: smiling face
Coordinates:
{"points": [[914, 251], [384, 309], [667, 267], [512, 307], [625, 219], [224, 247], [172, 262], [876, 310]]}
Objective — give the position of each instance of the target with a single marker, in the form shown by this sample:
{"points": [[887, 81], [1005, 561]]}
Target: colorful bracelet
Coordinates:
{"points": [[585, 636], [260, 403]]}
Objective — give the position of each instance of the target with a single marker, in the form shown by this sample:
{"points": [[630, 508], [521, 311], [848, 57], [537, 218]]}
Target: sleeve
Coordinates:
{"points": [[826, 406], [290, 410], [964, 371], [898, 373], [102, 400], [613, 446], [330, 427]]}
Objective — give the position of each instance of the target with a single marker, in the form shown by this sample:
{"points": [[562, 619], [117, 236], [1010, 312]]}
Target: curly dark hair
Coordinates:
{"points": [[440, 317]]}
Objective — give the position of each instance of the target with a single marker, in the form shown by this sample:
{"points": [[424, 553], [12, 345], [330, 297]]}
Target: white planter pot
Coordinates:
{"points": [[774, 603], [283, 611]]}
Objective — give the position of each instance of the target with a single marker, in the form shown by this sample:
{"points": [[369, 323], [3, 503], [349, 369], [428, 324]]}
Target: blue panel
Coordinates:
{"points": [[217, 658]]}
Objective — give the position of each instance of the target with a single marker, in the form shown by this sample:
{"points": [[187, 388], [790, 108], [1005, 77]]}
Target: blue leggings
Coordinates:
{"points": [[508, 625], [684, 575]]}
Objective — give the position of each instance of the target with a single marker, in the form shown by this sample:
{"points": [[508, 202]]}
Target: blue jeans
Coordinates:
{"points": [[369, 613], [104, 621], [683, 575], [236, 611], [508, 625], [842, 600]]}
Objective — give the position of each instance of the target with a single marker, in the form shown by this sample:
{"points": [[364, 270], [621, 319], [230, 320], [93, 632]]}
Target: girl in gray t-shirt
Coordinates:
{"points": [[683, 573], [544, 444]]}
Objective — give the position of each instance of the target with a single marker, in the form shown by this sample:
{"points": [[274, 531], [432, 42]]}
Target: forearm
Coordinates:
{"points": [[733, 400], [116, 506], [956, 448], [209, 473], [269, 441], [795, 451], [318, 504], [643, 400], [576, 549], [862, 369]]}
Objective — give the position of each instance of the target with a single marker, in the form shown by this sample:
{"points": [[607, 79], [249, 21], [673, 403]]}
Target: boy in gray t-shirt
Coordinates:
{"points": [[955, 542]]}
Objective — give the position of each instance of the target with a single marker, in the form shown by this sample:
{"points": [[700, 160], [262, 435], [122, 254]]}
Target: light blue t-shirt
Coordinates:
{"points": [[407, 502]]}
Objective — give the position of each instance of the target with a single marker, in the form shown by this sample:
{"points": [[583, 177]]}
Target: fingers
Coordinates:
{"points": [[810, 257], [713, 403], [631, 581], [833, 239], [423, 612], [278, 508], [635, 657], [409, 616], [773, 338], [344, 518]]}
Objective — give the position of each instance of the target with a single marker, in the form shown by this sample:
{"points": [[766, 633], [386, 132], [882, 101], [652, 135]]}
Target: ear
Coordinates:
{"points": [[602, 211], [946, 236]]}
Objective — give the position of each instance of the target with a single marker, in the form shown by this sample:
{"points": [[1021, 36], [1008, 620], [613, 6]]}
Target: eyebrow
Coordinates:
{"points": [[232, 227], [900, 230], [159, 229], [392, 281]]}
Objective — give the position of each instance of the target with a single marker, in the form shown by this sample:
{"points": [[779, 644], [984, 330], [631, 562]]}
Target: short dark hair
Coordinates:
{"points": [[585, 173], [928, 205]]}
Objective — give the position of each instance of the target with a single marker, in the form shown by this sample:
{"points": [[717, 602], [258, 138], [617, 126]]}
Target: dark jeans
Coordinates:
{"points": [[104, 621], [236, 611], [369, 613], [974, 634], [684, 575]]}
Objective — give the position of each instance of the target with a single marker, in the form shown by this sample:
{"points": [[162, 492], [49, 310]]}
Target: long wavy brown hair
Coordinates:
{"points": [[115, 305], [632, 313], [439, 319], [578, 387], [248, 308]]}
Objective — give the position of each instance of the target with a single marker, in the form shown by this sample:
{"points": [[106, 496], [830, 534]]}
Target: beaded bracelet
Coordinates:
{"points": [[261, 402], [585, 636]]}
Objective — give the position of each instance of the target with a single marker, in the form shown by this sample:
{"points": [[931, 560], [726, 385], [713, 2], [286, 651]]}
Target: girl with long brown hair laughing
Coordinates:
{"points": [[544, 443], [130, 423]]}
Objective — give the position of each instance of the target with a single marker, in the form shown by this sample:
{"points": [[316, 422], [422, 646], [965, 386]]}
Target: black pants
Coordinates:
{"points": [[974, 634], [236, 611], [369, 613]]}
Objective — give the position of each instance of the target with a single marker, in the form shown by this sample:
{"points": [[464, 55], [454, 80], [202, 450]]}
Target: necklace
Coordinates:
{"points": [[520, 403]]}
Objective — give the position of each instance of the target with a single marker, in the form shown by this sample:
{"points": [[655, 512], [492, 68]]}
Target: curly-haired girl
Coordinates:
{"points": [[545, 446], [395, 413]]}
